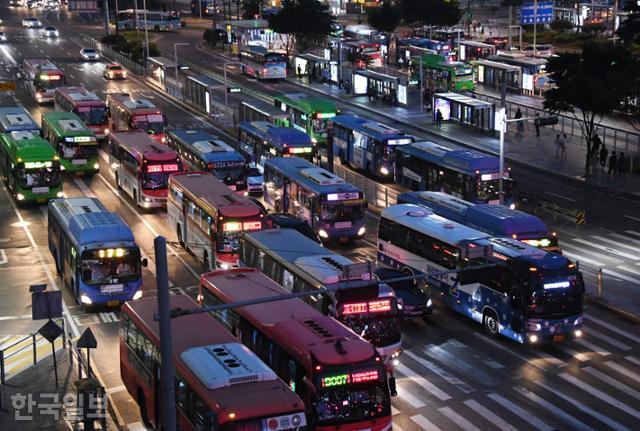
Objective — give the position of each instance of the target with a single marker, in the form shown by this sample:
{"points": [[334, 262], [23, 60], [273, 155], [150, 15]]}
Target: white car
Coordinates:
{"points": [[3, 37], [89, 54], [541, 51], [50, 31], [31, 23]]}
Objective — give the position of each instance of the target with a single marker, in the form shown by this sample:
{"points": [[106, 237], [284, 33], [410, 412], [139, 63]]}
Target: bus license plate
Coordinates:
{"points": [[343, 225], [112, 288], [344, 239], [113, 303], [558, 338], [79, 161], [40, 190]]}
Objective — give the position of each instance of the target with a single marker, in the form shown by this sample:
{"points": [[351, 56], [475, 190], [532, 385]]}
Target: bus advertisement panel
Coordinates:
{"points": [[17, 119], [126, 113], [91, 109], [94, 251], [262, 63], [465, 174], [139, 19], [367, 145], [525, 294], [332, 207], [209, 218], [142, 167], [308, 114], [339, 376], [30, 166], [74, 142], [43, 77], [494, 219], [240, 393], [200, 151], [261, 140]]}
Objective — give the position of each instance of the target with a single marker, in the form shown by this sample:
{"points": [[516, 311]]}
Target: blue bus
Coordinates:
{"points": [[94, 251], [525, 294], [332, 207], [200, 151], [466, 174], [367, 145], [262, 63], [17, 119], [440, 47], [262, 140], [493, 219]]}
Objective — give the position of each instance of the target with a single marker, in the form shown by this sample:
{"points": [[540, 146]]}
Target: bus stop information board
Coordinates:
{"points": [[544, 15]]}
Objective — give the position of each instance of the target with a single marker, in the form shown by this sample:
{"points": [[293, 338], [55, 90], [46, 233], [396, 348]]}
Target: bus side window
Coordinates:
{"points": [[287, 280]]}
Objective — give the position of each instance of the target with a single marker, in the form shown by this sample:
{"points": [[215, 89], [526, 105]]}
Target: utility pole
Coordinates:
{"points": [[166, 348], [535, 24], [106, 17], [421, 85]]}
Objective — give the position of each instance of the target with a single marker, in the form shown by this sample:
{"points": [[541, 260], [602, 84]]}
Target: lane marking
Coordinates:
{"points": [[3, 257], [569, 351], [613, 382], [621, 276], [613, 328], [619, 244], [575, 424], [451, 379], [415, 402], [454, 417], [597, 334], [593, 347], [490, 416], [424, 383], [518, 411], [496, 344], [581, 259], [560, 196], [423, 423], [631, 217]]}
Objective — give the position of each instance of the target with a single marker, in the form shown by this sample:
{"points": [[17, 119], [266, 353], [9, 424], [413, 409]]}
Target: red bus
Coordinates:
{"points": [[369, 50], [338, 374], [91, 109], [127, 113], [208, 218], [142, 167], [240, 393]]}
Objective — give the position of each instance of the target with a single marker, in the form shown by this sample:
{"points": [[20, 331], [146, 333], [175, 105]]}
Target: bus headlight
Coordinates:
{"points": [[361, 231], [225, 266], [60, 194], [20, 196], [147, 199], [396, 362], [533, 339], [429, 303], [323, 233], [512, 206], [137, 295], [384, 171], [62, 168], [106, 131], [96, 166], [84, 299], [578, 333]]}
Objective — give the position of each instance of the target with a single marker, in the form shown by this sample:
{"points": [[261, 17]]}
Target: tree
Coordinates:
{"points": [[385, 18], [430, 12], [251, 8], [629, 30], [302, 22], [589, 85]]}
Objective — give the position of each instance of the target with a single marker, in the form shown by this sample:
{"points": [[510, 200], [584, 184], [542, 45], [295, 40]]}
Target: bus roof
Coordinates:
{"points": [[467, 161], [518, 60], [302, 330], [311, 176], [81, 95], [127, 101], [426, 221], [205, 187], [141, 145], [491, 218], [16, 118], [89, 222], [28, 146], [309, 104], [378, 131], [66, 123], [281, 136], [208, 147], [526, 253], [41, 64], [249, 389]]}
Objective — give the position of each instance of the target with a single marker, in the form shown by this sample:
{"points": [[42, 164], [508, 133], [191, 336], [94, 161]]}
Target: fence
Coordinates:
{"points": [[376, 194], [113, 55]]}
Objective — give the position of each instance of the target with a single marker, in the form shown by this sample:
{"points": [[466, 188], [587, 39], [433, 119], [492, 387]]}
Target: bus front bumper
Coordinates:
{"points": [[554, 331]]}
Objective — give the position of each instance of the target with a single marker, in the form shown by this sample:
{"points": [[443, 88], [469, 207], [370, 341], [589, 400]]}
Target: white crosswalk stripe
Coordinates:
{"points": [[632, 232], [531, 419], [578, 258], [625, 238], [606, 248], [616, 243], [613, 382], [592, 347], [489, 415], [564, 416], [633, 359], [457, 419], [623, 370], [415, 402], [601, 395], [613, 328], [621, 276], [424, 423], [581, 251], [424, 383], [569, 351], [429, 365]]}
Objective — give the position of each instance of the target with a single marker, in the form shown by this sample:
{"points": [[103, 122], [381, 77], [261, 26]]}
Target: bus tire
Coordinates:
{"points": [[156, 28], [179, 235], [142, 404], [490, 323]]}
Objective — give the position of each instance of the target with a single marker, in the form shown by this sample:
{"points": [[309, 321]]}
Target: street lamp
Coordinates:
{"points": [[175, 56], [226, 89], [146, 32]]}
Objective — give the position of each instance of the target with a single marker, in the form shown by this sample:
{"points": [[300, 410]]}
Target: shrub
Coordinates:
{"points": [[593, 28], [561, 25], [113, 39]]}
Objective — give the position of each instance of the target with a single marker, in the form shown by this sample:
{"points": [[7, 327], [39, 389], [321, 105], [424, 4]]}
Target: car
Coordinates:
{"points": [[255, 180], [89, 54], [413, 298], [31, 22], [50, 31], [3, 37], [114, 71], [540, 51], [498, 41]]}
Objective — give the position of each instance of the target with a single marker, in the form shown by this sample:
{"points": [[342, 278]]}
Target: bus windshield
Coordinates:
{"points": [[229, 234], [230, 174], [342, 211], [554, 295], [49, 82], [92, 115], [353, 396], [379, 330], [275, 57], [489, 190], [110, 265], [152, 123], [38, 174], [319, 125], [74, 151]]}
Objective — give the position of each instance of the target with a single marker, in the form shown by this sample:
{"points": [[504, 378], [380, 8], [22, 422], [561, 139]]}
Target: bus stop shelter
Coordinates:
{"points": [[159, 67], [199, 90], [313, 65], [490, 73], [392, 89], [465, 110]]}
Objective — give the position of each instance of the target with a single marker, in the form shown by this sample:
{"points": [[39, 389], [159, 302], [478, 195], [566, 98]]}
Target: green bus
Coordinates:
{"points": [[441, 75], [75, 143], [30, 166], [307, 113]]}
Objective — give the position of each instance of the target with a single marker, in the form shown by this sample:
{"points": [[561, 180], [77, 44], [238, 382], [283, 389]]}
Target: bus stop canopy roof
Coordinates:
{"points": [[162, 61], [204, 80], [464, 100], [496, 65], [244, 24], [314, 58], [376, 75]]}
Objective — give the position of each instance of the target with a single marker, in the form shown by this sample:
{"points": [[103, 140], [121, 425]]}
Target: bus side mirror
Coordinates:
{"points": [[392, 386], [145, 262]]}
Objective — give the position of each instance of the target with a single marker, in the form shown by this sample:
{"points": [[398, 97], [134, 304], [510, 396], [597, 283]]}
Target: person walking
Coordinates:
{"points": [[596, 143], [438, 118], [536, 123], [299, 71], [558, 142], [613, 163], [603, 156], [622, 168], [519, 124]]}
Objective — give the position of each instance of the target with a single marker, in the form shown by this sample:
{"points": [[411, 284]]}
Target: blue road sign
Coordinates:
{"points": [[544, 15]]}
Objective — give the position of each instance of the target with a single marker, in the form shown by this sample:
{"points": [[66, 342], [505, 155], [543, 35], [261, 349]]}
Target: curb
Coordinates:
{"points": [[621, 313]]}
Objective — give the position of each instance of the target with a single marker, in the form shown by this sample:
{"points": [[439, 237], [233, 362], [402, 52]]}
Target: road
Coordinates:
{"points": [[451, 375]]}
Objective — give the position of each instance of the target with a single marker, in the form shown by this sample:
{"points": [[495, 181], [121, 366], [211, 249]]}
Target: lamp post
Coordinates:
{"points": [[175, 56], [146, 30], [226, 89]]}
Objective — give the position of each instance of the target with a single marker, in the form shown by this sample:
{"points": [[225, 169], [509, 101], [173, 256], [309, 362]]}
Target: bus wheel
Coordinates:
{"points": [[143, 408], [118, 182], [179, 234], [490, 322]]}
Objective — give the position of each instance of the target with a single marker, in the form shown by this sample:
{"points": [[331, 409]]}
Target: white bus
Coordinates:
{"points": [[130, 19]]}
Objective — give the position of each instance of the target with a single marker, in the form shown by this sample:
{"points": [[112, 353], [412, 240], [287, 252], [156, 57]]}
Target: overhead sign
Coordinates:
{"points": [[544, 14]]}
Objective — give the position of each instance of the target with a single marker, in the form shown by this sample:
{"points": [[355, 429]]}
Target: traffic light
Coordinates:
{"points": [[547, 121]]}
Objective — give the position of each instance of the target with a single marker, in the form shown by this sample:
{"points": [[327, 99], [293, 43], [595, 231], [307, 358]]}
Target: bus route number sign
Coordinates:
{"points": [[6, 86]]}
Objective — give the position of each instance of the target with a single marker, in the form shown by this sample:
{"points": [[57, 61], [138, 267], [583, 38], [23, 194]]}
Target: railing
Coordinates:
{"points": [[378, 195], [113, 55]]}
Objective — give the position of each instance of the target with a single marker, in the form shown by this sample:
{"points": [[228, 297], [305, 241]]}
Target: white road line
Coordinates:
{"points": [[3, 257], [593, 347], [613, 328], [493, 418], [604, 419], [424, 423], [564, 416], [633, 360], [621, 276], [625, 238], [582, 259], [606, 248], [632, 232], [631, 217], [464, 387], [457, 419], [496, 344], [560, 196], [394, 411], [534, 421], [623, 370], [23, 317], [619, 244], [599, 394], [424, 383], [613, 382], [582, 250], [137, 426], [597, 334], [550, 358], [569, 351], [414, 401]]}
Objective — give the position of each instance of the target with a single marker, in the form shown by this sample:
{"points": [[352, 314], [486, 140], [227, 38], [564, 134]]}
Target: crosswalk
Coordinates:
{"points": [[587, 384], [18, 353]]}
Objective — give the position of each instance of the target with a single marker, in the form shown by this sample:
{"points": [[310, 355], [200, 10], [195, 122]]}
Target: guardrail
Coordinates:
{"points": [[375, 193], [537, 205], [114, 55]]}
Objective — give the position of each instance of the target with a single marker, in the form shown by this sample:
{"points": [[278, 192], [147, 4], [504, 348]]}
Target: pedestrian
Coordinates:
{"points": [[438, 118], [400, 62], [563, 146], [536, 123], [596, 145], [613, 163], [558, 142], [622, 168], [603, 156], [520, 124], [299, 71]]}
